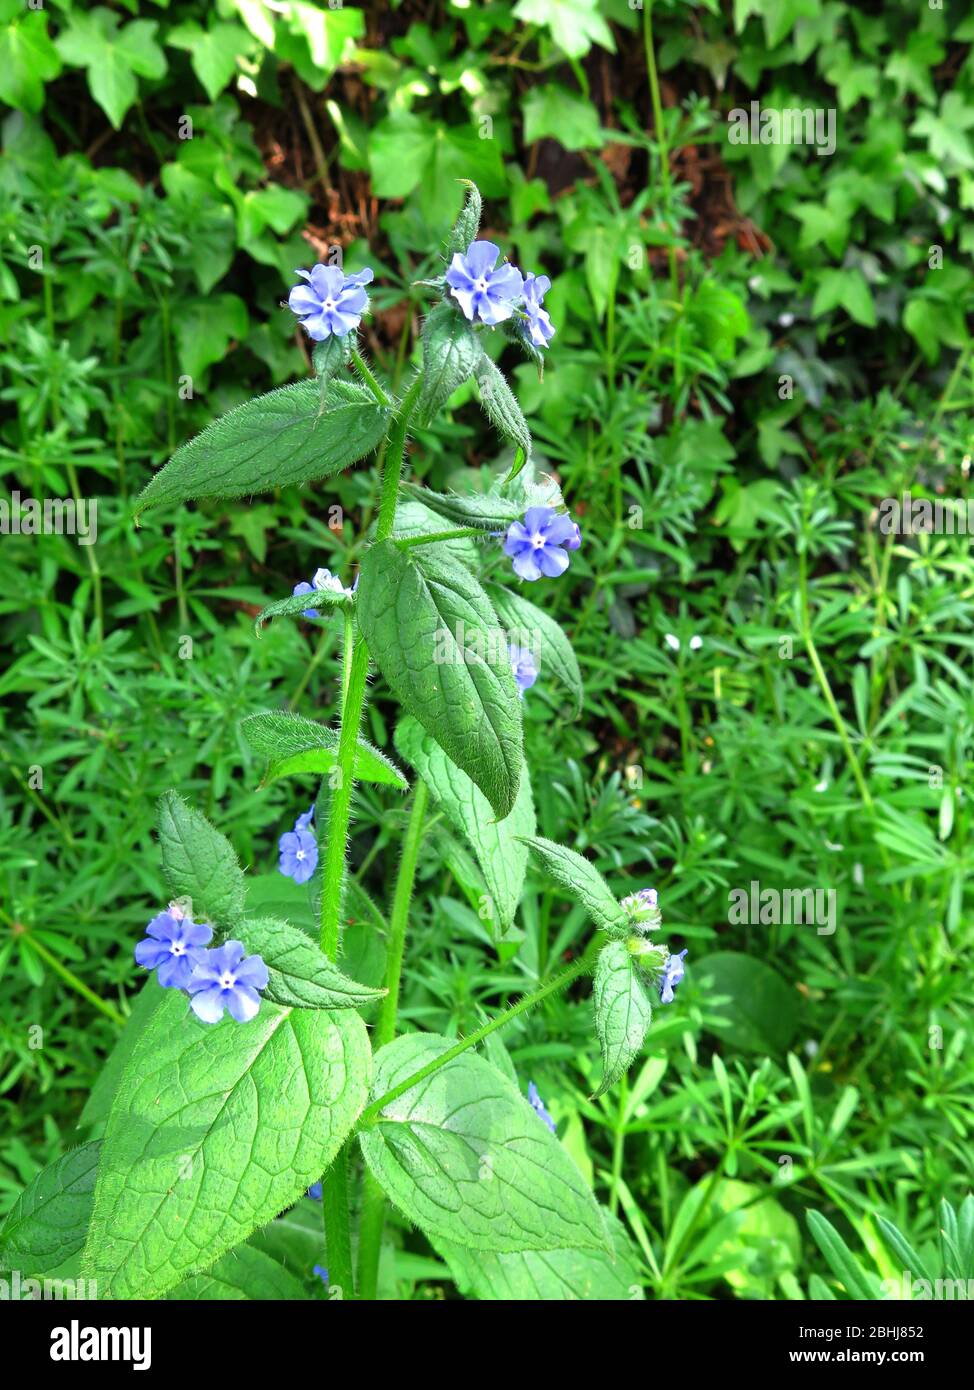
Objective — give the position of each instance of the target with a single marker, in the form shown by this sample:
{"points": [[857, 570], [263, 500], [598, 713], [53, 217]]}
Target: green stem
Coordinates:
{"points": [[392, 473], [406, 541], [333, 871], [367, 376], [373, 1197], [664, 151], [581, 967], [338, 1237]]}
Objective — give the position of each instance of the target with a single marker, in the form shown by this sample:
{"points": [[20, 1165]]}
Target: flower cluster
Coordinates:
{"points": [[299, 849], [490, 293], [331, 303], [665, 967], [539, 544], [323, 581], [218, 981]]}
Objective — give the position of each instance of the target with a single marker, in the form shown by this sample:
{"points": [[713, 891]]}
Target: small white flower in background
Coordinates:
{"points": [[672, 642], [696, 643], [811, 1048], [786, 320], [858, 877], [822, 786], [834, 848]]}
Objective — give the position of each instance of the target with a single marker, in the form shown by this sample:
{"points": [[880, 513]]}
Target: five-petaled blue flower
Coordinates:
{"points": [[524, 666], [227, 979], [484, 293], [673, 972], [539, 545], [299, 849], [538, 1106], [538, 324], [331, 302], [172, 945]]}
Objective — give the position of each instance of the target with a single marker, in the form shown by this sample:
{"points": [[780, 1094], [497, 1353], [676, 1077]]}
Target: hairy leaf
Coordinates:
{"points": [[49, 1220], [464, 1156], [244, 1273], [295, 606], [584, 882], [451, 351], [529, 626], [623, 1011], [277, 440], [467, 225], [199, 863], [434, 636], [215, 1129], [301, 975], [502, 410], [502, 858], [293, 746]]}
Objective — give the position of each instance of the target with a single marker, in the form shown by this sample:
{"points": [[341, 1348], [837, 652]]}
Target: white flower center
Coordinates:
{"points": [[227, 981], [300, 855], [178, 948], [538, 541], [481, 284]]}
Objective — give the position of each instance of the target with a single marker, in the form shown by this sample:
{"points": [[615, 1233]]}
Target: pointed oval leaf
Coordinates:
{"points": [[451, 351], [199, 863], [295, 746], [584, 882], [464, 1156], [301, 975], [214, 1130], [49, 1220], [623, 1011], [529, 626], [433, 634], [501, 407]]}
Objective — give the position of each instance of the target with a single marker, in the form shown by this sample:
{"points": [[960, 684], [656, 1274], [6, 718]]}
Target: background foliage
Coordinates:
{"points": [[166, 167]]}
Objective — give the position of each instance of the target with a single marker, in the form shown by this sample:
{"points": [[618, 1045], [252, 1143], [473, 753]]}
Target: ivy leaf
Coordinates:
{"points": [[28, 58], [199, 863], [434, 636], [205, 329], [301, 975], [114, 56], [408, 151], [529, 626], [274, 441], [575, 24], [502, 858], [541, 1276], [294, 745], [623, 1011], [464, 1156], [451, 351], [244, 1273], [213, 51], [555, 112], [846, 289], [584, 882], [49, 1220], [215, 1129]]}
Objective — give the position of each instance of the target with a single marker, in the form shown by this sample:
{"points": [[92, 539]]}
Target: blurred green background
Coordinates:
{"points": [[756, 344]]}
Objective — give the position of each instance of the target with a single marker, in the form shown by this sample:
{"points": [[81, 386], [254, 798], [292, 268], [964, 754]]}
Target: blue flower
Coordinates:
{"points": [[673, 972], [305, 818], [315, 1191], [172, 945], [483, 292], [305, 588], [538, 324], [226, 979], [299, 855], [323, 580], [321, 1272], [524, 667], [538, 1106], [331, 302], [540, 544]]}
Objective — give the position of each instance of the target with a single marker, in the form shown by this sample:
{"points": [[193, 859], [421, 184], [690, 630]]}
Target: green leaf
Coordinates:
{"points": [[464, 1156], [623, 1011], [215, 1129], [244, 1273], [555, 112], [759, 1012], [840, 1259], [206, 328], [451, 351], [199, 863], [114, 56], [99, 1101], [277, 440], [467, 225], [501, 407], [485, 509], [502, 858], [28, 58], [330, 356], [541, 1276], [575, 24], [528, 626], [408, 151], [49, 1220], [294, 746], [414, 518], [301, 975], [846, 289], [584, 882], [433, 634], [213, 51], [296, 605]]}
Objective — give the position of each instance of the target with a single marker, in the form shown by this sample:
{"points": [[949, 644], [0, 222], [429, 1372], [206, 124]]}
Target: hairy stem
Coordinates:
{"points": [[373, 1198]]}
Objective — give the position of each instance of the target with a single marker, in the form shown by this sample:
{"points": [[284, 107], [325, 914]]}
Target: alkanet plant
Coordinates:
{"points": [[247, 1075]]}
